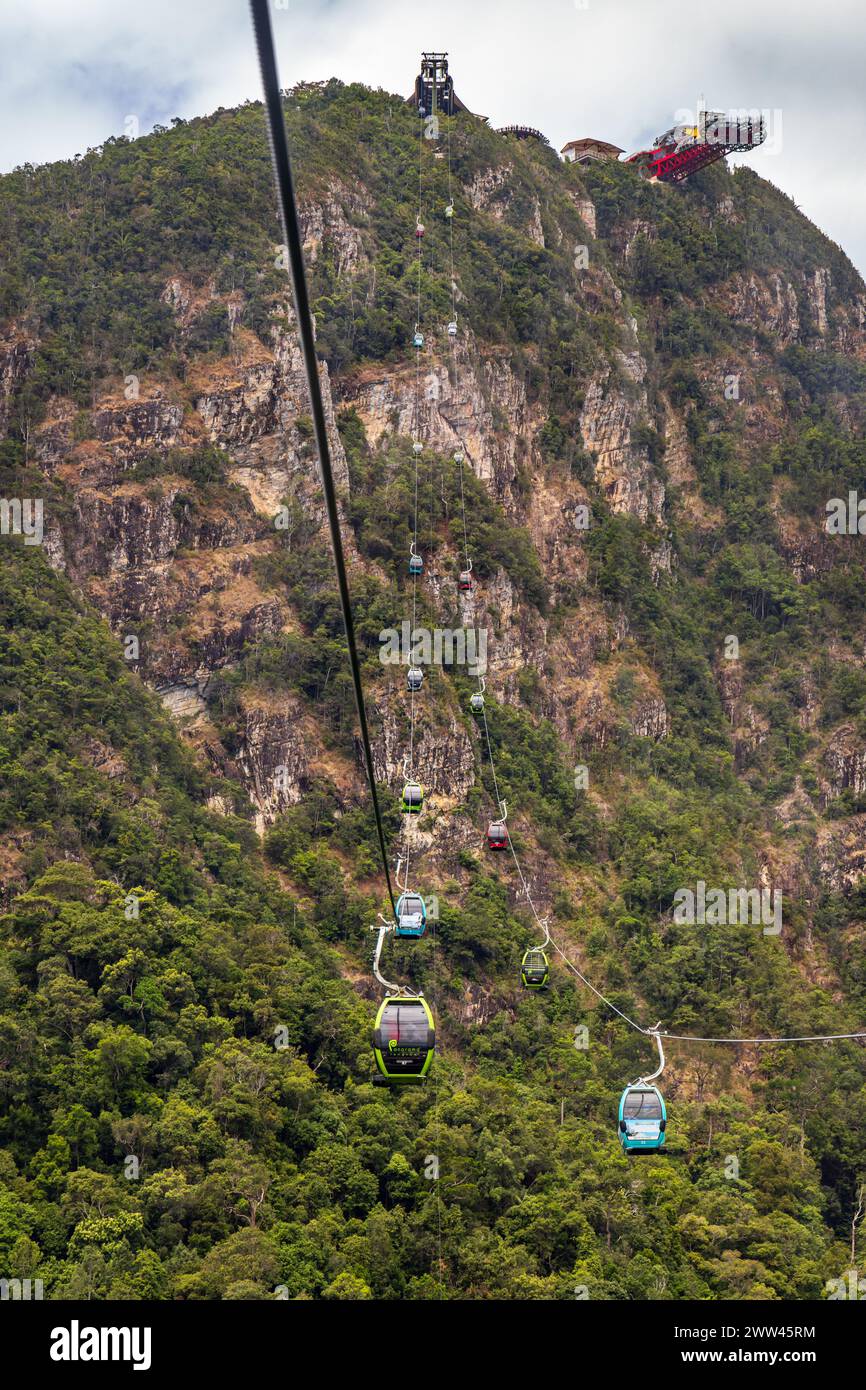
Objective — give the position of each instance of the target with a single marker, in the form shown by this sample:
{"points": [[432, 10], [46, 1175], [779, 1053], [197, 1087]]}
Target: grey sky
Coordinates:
{"points": [[71, 71]]}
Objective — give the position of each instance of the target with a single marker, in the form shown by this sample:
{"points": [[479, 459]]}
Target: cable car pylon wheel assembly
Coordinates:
{"points": [[404, 1033]]}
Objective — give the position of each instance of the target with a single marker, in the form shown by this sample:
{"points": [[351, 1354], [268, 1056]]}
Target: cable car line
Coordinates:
{"points": [[404, 1035], [809, 1037], [291, 230], [543, 923], [413, 684]]}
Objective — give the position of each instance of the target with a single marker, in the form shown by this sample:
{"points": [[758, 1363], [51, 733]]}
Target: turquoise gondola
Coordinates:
{"points": [[411, 915], [642, 1118]]}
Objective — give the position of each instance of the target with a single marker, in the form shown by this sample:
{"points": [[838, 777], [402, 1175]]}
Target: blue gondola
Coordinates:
{"points": [[642, 1118], [416, 564], [411, 915]]}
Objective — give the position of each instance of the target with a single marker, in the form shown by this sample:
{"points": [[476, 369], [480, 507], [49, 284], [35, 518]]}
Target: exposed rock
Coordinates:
{"points": [[818, 293], [444, 759], [488, 191], [252, 407], [585, 208], [649, 719], [140, 424], [184, 703], [16, 354], [845, 763], [325, 222], [622, 468], [767, 305], [276, 751], [466, 412], [840, 849]]}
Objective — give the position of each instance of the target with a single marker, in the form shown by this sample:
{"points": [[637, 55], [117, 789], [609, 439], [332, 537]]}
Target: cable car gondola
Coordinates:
{"points": [[535, 969], [411, 915], [497, 835], [464, 583], [417, 338], [452, 328], [414, 678], [416, 564], [642, 1118], [419, 229], [413, 798], [404, 1039], [449, 210], [476, 702]]}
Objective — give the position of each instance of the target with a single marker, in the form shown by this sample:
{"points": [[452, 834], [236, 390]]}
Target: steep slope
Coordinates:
{"points": [[680, 368]]}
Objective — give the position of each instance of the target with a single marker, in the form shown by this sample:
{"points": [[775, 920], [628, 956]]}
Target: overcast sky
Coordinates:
{"points": [[72, 71]]}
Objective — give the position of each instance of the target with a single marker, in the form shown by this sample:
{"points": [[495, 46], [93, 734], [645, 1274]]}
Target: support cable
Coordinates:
{"points": [[292, 232]]}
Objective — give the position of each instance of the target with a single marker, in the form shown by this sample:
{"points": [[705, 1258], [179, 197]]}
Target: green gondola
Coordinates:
{"points": [[535, 969], [404, 1038], [413, 798]]}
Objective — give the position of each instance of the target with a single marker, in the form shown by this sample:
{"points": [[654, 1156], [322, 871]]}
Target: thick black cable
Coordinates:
{"points": [[292, 232]]}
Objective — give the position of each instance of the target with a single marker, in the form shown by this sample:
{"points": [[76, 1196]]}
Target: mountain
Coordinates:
{"points": [[658, 391]]}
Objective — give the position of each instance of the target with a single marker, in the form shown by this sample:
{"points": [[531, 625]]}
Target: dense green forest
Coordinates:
{"points": [[186, 1099]]}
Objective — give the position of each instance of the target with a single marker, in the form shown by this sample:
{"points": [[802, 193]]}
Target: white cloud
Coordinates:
{"points": [[618, 69]]}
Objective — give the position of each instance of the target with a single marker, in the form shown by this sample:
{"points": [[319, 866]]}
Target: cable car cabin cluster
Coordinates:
{"points": [[404, 1039], [403, 1036], [642, 1119]]}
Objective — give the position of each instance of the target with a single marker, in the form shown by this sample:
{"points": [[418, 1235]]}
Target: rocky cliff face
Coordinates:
{"points": [[184, 567]]}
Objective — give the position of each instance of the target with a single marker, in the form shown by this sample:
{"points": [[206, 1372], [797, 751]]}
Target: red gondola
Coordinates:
{"points": [[497, 835]]}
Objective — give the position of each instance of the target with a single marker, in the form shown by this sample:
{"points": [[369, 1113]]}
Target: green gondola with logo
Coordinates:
{"points": [[404, 1039]]}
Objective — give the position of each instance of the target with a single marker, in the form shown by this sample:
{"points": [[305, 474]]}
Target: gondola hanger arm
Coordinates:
{"points": [[654, 1033]]}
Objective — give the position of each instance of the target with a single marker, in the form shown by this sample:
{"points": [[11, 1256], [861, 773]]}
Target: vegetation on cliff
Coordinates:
{"points": [[185, 1099]]}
